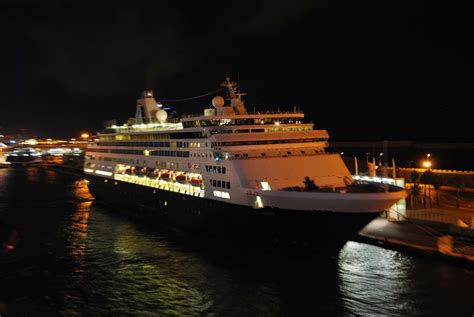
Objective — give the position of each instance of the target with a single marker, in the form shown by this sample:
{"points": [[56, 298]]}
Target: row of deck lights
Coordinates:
{"points": [[161, 184]]}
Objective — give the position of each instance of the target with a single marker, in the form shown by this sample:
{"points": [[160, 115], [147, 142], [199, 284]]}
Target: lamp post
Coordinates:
{"points": [[427, 165], [427, 162]]}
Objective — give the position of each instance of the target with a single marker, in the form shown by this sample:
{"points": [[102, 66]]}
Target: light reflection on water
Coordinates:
{"points": [[375, 280], [78, 258], [32, 175]]}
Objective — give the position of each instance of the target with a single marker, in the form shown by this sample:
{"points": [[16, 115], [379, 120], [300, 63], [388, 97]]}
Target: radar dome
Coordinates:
{"points": [[161, 115], [218, 101]]}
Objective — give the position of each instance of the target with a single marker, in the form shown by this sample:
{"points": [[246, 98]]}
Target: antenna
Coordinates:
{"points": [[232, 92]]}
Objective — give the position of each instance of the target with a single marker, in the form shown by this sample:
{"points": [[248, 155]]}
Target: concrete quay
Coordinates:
{"points": [[419, 238]]}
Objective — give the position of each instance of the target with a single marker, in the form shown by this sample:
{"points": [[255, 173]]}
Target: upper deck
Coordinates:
{"points": [[253, 115], [221, 118], [141, 128]]}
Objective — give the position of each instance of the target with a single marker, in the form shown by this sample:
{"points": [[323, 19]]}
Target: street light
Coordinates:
{"points": [[428, 179], [427, 163]]}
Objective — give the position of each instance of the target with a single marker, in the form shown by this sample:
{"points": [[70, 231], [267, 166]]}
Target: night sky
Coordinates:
{"points": [[363, 70]]}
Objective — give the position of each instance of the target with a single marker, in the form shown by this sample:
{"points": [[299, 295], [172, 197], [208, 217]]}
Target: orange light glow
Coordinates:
{"points": [[427, 164], [85, 135]]}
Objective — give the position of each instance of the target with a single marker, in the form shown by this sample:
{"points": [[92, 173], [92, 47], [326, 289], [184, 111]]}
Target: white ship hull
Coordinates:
{"points": [[330, 201], [230, 170]]}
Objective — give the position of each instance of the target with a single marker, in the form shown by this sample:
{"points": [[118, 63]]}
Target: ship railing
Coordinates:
{"points": [[139, 129], [161, 184], [194, 115]]}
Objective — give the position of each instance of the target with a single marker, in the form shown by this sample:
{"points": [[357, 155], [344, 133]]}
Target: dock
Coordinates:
{"points": [[416, 237]]}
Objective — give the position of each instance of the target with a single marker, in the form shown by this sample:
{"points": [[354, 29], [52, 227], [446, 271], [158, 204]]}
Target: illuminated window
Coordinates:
{"points": [[265, 186], [225, 195], [221, 194]]}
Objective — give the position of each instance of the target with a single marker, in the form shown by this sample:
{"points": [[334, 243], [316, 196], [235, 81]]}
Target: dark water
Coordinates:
{"points": [[77, 258]]}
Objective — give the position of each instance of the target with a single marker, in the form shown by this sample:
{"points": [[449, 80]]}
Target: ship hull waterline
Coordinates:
{"points": [[318, 230]]}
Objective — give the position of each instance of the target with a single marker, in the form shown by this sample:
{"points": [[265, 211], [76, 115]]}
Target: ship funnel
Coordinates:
{"points": [[147, 107]]}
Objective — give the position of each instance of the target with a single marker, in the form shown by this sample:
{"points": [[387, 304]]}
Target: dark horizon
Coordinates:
{"points": [[362, 71]]}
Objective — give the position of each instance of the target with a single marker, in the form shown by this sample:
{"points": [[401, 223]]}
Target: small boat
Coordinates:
{"points": [[181, 178], [165, 176], [23, 156], [151, 173], [196, 182], [140, 171]]}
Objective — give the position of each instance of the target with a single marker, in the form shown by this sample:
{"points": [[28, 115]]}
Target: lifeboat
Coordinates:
{"points": [[150, 173], [165, 176], [140, 171], [181, 178], [196, 181]]}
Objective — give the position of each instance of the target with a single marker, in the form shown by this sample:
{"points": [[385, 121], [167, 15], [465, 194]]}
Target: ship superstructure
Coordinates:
{"points": [[272, 161]]}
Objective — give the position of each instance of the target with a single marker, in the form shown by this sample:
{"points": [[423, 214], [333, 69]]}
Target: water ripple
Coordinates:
{"points": [[77, 258]]}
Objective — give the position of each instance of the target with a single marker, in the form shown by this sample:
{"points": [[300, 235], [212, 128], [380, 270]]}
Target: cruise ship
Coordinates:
{"points": [[230, 170]]}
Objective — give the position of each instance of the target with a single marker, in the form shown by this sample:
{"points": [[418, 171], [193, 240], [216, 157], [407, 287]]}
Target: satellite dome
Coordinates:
{"points": [[218, 101], [161, 115]]}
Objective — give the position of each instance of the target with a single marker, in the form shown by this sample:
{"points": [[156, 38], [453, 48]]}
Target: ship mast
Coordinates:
{"points": [[234, 95]]}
